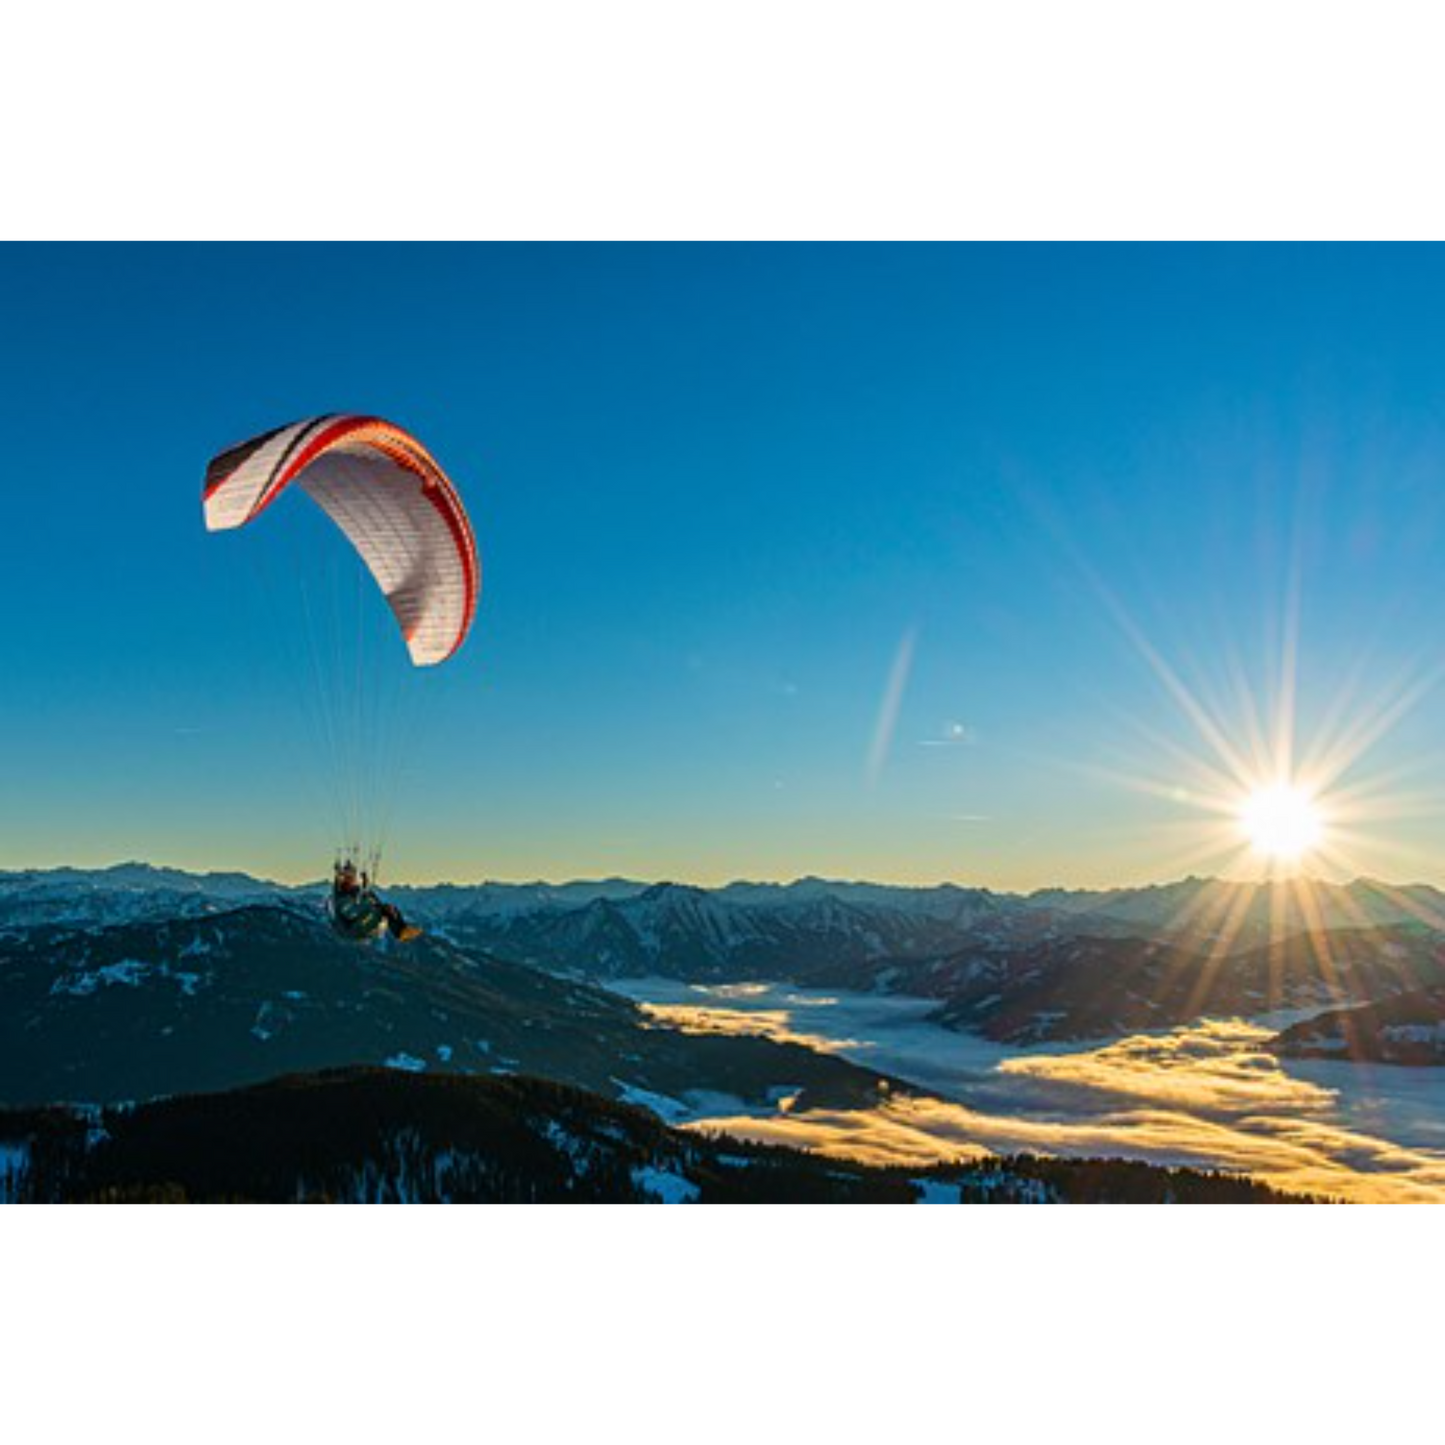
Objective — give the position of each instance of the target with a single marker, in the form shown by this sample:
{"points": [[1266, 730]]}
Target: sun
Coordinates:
{"points": [[1282, 821]]}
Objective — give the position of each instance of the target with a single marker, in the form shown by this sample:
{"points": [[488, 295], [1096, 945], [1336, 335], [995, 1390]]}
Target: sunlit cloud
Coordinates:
{"points": [[917, 1132], [1301, 1154], [774, 1024], [1209, 1096], [1217, 1066]]}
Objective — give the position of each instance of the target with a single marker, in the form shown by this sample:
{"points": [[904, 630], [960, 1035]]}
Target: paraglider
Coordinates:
{"points": [[405, 521], [358, 912]]}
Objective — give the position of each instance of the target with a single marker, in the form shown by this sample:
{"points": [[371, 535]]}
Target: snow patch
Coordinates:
{"points": [[14, 1156], [935, 1191], [668, 1109], [665, 1185], [703, 1102], [128, 972], [125, 973], [566, 1142], [1433, 1034], [268, 1021], [1326, 1043]]}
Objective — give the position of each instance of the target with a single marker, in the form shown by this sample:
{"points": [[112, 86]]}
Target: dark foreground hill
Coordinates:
{"points": [[375, 1135]]}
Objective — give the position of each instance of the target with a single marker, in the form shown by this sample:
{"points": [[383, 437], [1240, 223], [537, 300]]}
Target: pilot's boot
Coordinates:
{"points": [[401, 930]]}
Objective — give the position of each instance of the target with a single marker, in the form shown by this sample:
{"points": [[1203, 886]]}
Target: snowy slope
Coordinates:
{"points": [[147, 1008]]}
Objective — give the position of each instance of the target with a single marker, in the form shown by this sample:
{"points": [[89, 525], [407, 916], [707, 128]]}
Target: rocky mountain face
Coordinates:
{"points": [[1013, 971], [691, 933]]}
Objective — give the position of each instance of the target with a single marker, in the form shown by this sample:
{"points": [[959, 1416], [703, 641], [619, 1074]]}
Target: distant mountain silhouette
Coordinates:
{"points": [[1095, 988], [1053, 965]]}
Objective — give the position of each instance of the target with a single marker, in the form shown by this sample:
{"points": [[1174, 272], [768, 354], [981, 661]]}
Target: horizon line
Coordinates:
{"points": [[539, 882]]}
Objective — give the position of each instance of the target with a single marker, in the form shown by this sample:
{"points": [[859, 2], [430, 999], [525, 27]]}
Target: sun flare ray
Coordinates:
{"points": [[1273, 788]]}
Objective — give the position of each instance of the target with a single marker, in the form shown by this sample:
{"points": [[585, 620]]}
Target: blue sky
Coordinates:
{"points": [[723, 495]]}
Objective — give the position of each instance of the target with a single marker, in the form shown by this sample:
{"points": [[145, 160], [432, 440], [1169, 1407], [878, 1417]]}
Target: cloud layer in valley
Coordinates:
{"points": [[1208, 1096]]}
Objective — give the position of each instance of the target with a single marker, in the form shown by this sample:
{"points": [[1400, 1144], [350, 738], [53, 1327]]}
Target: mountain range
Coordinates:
{"points": [[140, 1007], [1197, 908], [1048, 966]]}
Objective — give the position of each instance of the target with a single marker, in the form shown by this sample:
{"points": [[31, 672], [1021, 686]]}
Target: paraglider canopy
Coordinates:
{"points": [[405, 523], [387, 493]]}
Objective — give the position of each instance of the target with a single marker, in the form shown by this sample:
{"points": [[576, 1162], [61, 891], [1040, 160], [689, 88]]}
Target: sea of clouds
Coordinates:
{"points": [[1208, 1095]]}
